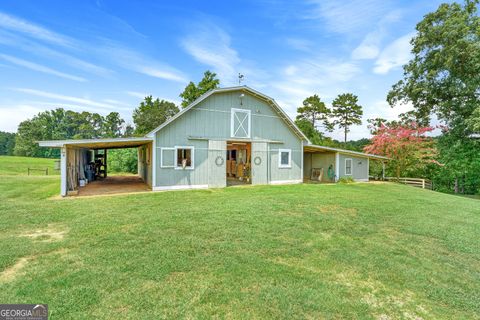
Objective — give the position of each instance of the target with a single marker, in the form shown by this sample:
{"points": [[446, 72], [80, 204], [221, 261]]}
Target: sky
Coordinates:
{"points": [[105, 55]]}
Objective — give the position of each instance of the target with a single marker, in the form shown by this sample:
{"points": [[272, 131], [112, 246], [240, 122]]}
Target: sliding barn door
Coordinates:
{"points": [[217, 164], [259, 163]]}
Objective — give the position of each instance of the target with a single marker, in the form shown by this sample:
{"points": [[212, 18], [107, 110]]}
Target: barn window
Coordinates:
{"points": [[240, 123], [184, 157], [285, 158], [348, 167], [167, 157]]}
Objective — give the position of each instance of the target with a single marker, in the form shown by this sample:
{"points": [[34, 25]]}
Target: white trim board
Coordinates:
{"points": [[180, 187], [296, 181]]}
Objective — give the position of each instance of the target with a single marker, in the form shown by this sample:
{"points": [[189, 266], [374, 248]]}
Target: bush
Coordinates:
{"points": [[122, 160], [346, 180]]}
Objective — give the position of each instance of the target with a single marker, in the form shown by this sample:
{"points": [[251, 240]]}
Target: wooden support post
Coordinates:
{"points": [[105, 161], [63, 172], [423, 183], [383, 170]]}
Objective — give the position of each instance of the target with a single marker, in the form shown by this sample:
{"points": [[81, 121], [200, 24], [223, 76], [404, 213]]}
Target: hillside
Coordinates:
{"points": [[301, 251]]}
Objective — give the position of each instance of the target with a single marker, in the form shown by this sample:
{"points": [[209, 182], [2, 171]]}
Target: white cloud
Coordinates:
{"points": [[347, 16], [369, 48], [34, 31], [210, 45], [12, 115], [82, 101], [121, 56], [395, 55], [381, 109], [303, 78], [137, 62], [299, 44], [32, 47], [40, 68], [137, 94]]}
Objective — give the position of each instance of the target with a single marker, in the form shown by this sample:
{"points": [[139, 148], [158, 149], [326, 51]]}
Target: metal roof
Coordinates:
{"points": [[315, 148], [108, 143]]}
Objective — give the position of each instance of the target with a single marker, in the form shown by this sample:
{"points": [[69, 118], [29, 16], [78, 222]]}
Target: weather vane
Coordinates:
{"points": [[240, 78]]}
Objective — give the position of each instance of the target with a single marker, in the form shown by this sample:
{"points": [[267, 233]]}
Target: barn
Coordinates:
{"points": [[227, 137]]}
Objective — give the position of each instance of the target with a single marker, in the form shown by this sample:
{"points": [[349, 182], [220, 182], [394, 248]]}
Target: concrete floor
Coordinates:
{"points": [[235, 182], [114, 185]]}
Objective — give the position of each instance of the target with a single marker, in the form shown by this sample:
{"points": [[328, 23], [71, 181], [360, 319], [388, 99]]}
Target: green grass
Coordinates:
{"points": [[357, 251], [19, 165]]}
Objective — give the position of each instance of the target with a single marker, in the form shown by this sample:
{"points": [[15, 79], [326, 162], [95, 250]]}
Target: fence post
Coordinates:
{"points": [[46, 172], [423, 183], [28, 171]]}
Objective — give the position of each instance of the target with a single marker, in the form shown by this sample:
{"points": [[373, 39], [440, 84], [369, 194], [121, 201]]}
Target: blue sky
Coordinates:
{"points": [[104, 56]]}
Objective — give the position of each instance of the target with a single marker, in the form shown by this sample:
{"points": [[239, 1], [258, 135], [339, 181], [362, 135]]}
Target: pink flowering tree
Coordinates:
{"points": [[406, 144]]}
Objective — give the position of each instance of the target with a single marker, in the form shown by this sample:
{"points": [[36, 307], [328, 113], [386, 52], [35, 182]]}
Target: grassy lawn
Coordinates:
{"points": [[303, 251], [19, 166]]}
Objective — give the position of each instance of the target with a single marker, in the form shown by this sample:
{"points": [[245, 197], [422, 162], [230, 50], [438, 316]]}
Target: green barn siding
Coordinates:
{"points": [[210, 120], [283, 174], [359, 167]]}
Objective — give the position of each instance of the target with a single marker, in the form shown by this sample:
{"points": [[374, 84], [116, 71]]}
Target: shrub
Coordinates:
{"points": [[346, 180]]}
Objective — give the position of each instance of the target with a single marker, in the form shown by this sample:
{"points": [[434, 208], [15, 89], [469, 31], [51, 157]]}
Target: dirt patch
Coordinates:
{"points": [[335, 208], [380, 298], [49, 234], [11, 272]]}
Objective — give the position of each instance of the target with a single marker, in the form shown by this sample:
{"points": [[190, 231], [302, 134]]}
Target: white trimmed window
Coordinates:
{"points": [[348, 167], [284, 158], [167, 157], [184, 158], [240, 123]]}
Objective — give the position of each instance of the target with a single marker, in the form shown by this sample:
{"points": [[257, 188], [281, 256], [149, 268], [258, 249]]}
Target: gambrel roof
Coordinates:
{"points": [[246, 89]]}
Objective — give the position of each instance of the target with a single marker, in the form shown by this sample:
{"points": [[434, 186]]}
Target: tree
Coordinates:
{"points": [[314, 110], [315, 136], [152, 113], [61, 124], [408, 147], [113, 125], [193, 92], [346, 112], [7, 143], [375, 123], [443, 77]]}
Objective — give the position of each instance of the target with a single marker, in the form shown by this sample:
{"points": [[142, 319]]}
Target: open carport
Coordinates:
{"points": [[83, 166]]}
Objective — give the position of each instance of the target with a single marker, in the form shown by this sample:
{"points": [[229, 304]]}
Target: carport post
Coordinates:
{"points": [[63, 171], [383, 170]]}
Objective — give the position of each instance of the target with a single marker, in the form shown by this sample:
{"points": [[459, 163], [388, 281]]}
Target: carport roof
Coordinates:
{"points": [[312, 148], [109, 143]]}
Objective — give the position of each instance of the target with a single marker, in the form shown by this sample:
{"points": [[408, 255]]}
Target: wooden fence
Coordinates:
{"points": [[34, 169], [414, 182]]}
